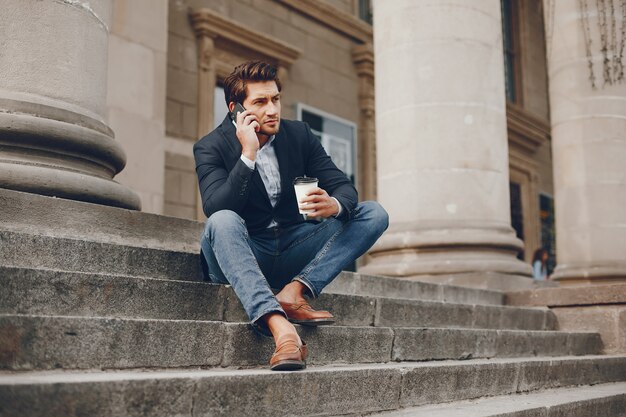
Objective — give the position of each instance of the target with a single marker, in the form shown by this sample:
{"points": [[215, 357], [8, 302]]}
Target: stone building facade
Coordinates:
{"points": [[166, 60], [326, 57]]}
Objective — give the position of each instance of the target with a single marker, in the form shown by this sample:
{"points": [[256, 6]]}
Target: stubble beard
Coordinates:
{"points": [[270, 131]]}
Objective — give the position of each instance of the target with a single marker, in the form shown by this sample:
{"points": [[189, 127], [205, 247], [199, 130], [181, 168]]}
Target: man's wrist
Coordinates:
{"points": [[338, 207], [250, 154], [249, 163]]}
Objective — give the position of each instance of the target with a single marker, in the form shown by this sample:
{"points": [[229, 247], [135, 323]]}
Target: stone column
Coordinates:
{"points": [[585, 45], [363, 58], [53, 139], [442, 152]]}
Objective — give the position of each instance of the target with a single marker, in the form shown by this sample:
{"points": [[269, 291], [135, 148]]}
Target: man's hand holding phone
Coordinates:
{"points": [[247, 127]]}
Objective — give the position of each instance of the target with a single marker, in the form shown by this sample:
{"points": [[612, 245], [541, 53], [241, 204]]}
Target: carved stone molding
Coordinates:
{"points": [[342, 22], [526, 132], [363, 59], [523, 170], [207, 23]]}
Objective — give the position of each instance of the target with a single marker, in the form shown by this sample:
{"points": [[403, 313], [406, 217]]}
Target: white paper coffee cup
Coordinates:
{"points": [[302, 186]]}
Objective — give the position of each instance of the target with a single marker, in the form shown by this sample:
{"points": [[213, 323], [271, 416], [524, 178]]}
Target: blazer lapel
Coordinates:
{"points": [[282, 155], [230, 135]]}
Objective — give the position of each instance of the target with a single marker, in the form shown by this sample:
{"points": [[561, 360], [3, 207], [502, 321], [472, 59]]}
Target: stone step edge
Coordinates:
{"points": [[94, 375], [568, 296], [46, 342], [209, 284], [244, 323], [151, 246], [442, 290], [338, 389], [100, 293], [539, 403]]}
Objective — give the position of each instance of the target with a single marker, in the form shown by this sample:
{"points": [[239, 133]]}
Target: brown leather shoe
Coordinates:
{"points": [[290, 354], [303, 313]]}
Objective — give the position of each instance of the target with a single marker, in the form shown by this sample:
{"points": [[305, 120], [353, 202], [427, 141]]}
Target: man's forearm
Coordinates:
{"points": [[230, 194]]}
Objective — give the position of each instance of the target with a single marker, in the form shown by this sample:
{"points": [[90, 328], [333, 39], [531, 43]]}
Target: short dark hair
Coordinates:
{"points": [[235, 85], [539, 254]]}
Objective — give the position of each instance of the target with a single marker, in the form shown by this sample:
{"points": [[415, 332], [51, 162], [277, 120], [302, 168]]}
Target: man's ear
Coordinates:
{"points": [[231, 106]]}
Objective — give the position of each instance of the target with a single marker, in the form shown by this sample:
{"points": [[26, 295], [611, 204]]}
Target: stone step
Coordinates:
{"points": [[48, 342], [570, 295], [45, 292], [325, 390], [37, 251], [604, 400], [75, 220], [363, 284], [32, 221]]}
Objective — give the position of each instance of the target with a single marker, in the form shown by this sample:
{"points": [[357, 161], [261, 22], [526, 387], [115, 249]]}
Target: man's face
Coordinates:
{"points": [[263, 100]]}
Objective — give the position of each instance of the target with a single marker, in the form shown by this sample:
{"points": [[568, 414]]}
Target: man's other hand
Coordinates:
{"points": [[321, 204], [247, 126]]}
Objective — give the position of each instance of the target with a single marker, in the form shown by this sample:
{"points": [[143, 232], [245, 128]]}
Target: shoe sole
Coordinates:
{"points": [[288, 366], [313, 322]]}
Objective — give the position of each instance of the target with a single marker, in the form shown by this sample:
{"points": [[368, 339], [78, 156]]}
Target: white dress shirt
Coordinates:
{"points": [[267, 164]]}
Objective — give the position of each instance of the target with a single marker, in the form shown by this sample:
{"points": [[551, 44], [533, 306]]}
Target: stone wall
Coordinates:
{"points": [[180, 186], [136, 94], [534, 75], [535, 82], [153, 85]]}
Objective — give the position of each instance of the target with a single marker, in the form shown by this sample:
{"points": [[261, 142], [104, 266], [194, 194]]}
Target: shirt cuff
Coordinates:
{"points": [[249, 163], [339, 205]]}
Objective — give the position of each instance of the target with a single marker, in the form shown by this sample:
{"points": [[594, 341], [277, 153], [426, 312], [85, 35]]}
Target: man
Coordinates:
{"points": [[255, 239]]}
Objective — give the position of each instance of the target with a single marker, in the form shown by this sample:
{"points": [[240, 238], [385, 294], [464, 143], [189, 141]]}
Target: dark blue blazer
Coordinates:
{"points": [[226, 183]]}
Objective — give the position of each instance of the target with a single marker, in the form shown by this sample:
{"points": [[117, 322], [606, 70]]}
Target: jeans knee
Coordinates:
{"points": [[377, 215], [223, 220]]}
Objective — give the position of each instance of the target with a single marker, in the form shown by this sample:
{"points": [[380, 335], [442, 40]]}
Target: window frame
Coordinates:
{"points": [[300, 107], [515, 52]]}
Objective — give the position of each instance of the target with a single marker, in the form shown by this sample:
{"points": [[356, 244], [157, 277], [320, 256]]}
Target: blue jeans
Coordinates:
{"points": [[311, 252]]}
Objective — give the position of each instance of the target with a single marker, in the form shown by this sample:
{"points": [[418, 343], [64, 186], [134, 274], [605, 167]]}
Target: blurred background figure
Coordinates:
{"points": [[540, 265]]}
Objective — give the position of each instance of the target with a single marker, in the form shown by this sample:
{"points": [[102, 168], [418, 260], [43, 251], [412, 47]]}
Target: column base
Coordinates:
{"points": [[470, 256], [605, 273], [50, 149]]}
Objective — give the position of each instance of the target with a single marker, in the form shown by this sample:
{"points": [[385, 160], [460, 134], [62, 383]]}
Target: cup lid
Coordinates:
{"points": [[304, 180]]}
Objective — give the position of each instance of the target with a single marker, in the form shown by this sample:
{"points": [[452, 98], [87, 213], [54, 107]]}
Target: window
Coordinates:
{"points": [[338, 137], [365, 11], [510, 38], [548, 233], [219, 106], [517, 215]]}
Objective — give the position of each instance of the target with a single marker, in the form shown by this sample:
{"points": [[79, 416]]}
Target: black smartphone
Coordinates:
{"points": [[238, 109]]}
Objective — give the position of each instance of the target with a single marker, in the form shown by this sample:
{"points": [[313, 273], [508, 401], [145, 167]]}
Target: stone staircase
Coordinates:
{"points": [[102, 314]]}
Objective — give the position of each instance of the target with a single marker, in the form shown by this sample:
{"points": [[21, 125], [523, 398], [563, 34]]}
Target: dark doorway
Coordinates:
{"points": [[517, 218]]}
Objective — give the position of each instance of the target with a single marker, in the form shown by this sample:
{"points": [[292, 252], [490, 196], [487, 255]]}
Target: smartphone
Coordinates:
{"points": [[238, 109]]}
